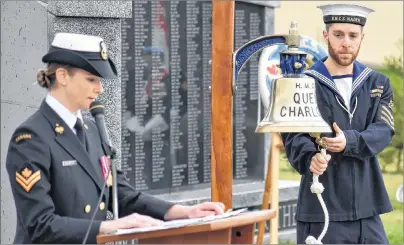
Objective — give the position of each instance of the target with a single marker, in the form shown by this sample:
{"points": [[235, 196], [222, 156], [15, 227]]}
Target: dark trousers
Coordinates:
{"points": [[364, 231]]}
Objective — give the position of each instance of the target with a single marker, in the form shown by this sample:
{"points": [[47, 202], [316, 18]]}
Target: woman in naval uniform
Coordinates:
{"points": [[54, 170]]}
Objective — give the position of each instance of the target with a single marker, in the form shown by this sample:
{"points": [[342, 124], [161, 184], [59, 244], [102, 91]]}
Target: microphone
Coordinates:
{"points": [[97, 110]]}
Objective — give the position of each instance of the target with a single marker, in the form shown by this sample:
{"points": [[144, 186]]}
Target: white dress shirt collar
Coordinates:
{"points": [[68, 117]]}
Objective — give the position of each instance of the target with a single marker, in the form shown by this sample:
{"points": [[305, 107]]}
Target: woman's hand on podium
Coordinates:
{"points": [[206, 209], [175, 212], [131, 221], [195, 211]]}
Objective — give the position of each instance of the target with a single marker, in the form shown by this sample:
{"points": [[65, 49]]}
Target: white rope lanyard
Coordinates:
{"points": [[318, 188]]}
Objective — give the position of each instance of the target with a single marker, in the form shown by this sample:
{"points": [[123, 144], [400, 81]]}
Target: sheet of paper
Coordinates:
{"points": [[165, 225], [225, 215], [181, 223]]}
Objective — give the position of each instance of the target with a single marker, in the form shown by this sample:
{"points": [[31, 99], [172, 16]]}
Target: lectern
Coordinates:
{"points": [[237, 229]]}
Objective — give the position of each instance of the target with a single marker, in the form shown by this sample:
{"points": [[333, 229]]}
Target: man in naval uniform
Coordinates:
{"points": [[357, 102], [54, 157]]}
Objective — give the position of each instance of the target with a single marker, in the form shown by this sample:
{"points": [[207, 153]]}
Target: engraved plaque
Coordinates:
{"points": [[166, 99]]}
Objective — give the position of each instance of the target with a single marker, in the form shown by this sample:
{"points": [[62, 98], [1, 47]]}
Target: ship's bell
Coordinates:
{"points": [[292, 97], [293, 107]]}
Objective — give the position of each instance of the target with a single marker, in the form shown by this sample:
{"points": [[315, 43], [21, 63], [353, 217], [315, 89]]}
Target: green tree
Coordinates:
{"points": [[395, 62], [393, 68]]}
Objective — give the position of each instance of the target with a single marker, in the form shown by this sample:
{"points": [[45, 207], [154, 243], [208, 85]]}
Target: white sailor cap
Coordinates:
{"points": [[345, 13], [81, 51]]}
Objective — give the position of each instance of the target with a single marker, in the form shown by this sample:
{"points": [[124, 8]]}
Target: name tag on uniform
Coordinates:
{"points": [[69, 163]]}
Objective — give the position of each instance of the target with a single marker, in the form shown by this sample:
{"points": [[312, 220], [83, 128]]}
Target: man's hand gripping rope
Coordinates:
{"points": [[318, 188]]}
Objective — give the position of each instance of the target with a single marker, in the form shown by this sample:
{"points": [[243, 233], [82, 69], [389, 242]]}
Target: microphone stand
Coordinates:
{"points": [[111, 153]]}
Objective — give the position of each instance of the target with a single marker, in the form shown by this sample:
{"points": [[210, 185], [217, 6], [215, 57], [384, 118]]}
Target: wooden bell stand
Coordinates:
{"points": [[221, 160], [271, 190]]}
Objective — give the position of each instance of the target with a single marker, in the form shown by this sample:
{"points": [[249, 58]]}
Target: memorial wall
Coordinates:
{"points": [[166, 97]]}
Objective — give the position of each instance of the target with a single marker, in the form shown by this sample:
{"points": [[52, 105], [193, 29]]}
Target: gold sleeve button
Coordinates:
{"points": [[87, 209], [102, 206]]}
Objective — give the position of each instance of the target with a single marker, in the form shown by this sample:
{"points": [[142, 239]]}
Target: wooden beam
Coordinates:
{"points": [[265, 200], [222, 101], [276, 145], [271, 180]]}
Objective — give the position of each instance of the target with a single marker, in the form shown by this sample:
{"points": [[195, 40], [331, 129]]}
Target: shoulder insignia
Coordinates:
{"points": [[59, 129], [26, 179], [23, 137], [391, 104], [386, 114]]}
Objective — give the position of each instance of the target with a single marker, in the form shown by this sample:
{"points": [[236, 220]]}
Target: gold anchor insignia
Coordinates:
{"points": [[104, 55], [59, 129]]}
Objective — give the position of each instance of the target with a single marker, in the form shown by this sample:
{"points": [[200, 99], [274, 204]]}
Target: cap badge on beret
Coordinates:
{"points": [[103, 53]]}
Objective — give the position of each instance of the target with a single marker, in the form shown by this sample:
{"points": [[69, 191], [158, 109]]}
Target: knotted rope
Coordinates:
{"points": [[318, 188]]}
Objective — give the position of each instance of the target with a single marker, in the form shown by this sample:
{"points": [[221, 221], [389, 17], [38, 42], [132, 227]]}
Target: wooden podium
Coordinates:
{"points": [[238, 229]]}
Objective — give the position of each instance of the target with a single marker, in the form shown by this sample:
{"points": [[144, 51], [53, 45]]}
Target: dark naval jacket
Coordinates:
{"points": [[353, 181], [56, 183]]}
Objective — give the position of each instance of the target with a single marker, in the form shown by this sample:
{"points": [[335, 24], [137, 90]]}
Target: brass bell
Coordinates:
{"points": [[293, 107], [292, 103]]}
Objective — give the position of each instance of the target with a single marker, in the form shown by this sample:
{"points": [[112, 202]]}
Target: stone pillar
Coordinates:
{"points": [[27, 28], [23, 41]]}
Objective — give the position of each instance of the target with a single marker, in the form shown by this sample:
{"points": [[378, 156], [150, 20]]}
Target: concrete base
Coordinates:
{"points": [[250, 195], [286, 236], [244, 195]]}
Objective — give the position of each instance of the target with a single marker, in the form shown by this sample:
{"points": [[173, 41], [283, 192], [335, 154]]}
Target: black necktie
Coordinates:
{"points": [[80, 131]]}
